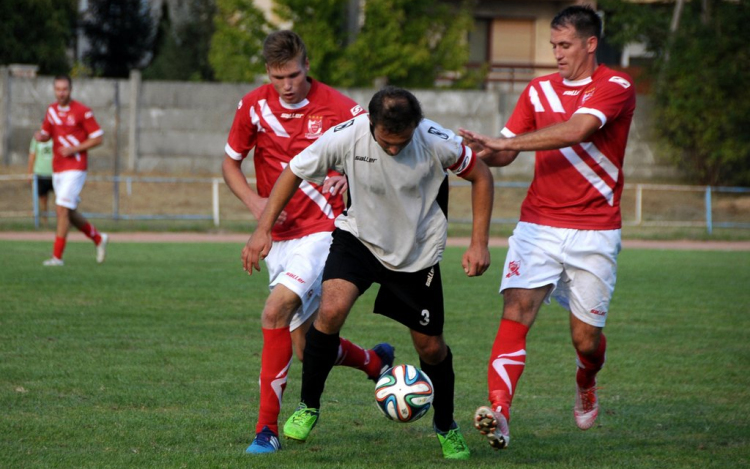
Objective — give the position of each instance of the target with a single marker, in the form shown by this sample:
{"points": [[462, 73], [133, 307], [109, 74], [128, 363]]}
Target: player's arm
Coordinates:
{"points": [[87, 144], [575, 130], [476, 259], [259, 244], [489, 156], [231, 169]]}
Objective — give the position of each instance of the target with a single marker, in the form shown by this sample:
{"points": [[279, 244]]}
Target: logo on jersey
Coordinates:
{"points": [[356, 110], [88, 115], [239, 105], [70, 120], [514, 269], [440, 134], [598, 312], [620, 81], [588, 94], [366, 159], [292, 115], [572, 93], [314, 127], [346, 124]]}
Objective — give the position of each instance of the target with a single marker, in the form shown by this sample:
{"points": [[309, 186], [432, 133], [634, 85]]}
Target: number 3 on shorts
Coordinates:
{"points": [[425, 317]]}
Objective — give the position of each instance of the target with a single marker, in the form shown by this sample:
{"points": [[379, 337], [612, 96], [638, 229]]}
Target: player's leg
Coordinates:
{"points": [[591, 346], [66, 200]]}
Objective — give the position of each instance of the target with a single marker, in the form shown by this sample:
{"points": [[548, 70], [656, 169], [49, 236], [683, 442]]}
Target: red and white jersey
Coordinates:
{"points": [[68, 126], [579, 186], [278, 131]]}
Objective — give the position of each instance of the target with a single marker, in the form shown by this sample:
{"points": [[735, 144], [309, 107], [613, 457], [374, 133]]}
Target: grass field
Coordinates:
{"points": [[151, 361]]}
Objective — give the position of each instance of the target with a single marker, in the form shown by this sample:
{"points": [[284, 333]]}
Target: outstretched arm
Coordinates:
{"points": [[259, 244], [476, 259]]}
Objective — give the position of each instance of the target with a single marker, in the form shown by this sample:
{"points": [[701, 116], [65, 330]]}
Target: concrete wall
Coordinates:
{"points": [[181, 127]]}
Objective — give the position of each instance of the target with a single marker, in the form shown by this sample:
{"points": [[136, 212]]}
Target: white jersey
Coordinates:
{"points": [[393, 206]]}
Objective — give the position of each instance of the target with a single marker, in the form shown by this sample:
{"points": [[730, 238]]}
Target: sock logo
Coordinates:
{"points": [[505, 359]]}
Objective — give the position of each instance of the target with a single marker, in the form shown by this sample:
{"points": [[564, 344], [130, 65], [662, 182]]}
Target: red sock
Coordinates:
{"points": [[356, 357], [58, 247], [506, 363], [589, 365], [90, 231], [275, 361]]}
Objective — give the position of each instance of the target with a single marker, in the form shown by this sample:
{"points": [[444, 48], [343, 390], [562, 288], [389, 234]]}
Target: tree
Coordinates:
{"points": [[120, 36], [237, 43], [37, 32], [181, 49], [702, 82]]}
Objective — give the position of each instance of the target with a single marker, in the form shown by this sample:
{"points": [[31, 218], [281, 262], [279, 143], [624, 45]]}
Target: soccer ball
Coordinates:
{"points": [[404, 393]]}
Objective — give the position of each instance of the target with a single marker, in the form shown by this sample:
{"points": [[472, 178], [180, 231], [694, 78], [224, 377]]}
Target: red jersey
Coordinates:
{"points": [[579, 186], [68, 126], [278, 131]]}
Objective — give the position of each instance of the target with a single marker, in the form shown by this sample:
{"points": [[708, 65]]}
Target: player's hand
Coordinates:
{"points": [[335, 185], [260, 204], [480, 144], [67, 151], [256, 249], [40, 137], [476, 260]]}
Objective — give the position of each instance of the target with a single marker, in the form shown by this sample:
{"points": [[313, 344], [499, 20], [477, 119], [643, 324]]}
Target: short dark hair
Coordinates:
{"points": [[64, 77], [283, 46], [395, 110], [582, 18]]}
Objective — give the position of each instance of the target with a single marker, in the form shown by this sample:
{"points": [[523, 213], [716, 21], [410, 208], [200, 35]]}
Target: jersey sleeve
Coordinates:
{"points": [[609, 99], [90, 125], [327, 153], [453, 154], [242, 135], [522, 119]]}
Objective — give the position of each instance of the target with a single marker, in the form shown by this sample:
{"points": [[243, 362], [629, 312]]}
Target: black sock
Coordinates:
{"points": [[320, 355], [443, 380]]}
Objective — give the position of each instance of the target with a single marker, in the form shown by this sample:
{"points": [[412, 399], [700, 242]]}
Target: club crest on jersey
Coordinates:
{"points": [[589, 93], [314, 127], [70, 120], [514, 269]]}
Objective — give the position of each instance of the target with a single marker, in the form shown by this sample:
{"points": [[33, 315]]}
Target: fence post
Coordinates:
{"points": [[709, 221], [638, 204], [5, 124], [215, 197], [135, 94]]}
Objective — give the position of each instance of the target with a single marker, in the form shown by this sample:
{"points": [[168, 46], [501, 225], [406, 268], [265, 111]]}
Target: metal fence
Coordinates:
{"points": [[208, 198]]}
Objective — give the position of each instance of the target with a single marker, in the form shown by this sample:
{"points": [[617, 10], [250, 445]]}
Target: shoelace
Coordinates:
{"points": [[455, 440], [588, 399]]}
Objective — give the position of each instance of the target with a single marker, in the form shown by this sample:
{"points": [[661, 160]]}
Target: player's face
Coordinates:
{"points": [[392, 143], [290, 80], [575, 56], [62, 92]]}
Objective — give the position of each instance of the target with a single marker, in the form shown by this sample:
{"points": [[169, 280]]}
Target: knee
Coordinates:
{"points": [[586, 344], [277, 312], [432, 351]]}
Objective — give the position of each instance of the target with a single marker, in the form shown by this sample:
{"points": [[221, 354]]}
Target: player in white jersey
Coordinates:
{"points": [[567, 241], [393, 233], [277, 121]]}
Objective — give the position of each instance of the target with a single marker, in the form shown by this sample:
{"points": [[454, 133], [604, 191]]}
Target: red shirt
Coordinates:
{"points": [[279, 131], [69, 126], [580, 186]]}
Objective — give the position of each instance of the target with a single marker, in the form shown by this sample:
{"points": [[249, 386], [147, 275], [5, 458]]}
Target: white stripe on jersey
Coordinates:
{"points": [[601, 159], [66, 143], [315, 196], [53, 115], [588, 174], [534, 97], [552, 97], [73, 140], [274, 123]]}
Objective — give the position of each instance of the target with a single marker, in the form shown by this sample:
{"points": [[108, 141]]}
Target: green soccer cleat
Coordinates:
{"points": [[453, 444], [301, 423]]}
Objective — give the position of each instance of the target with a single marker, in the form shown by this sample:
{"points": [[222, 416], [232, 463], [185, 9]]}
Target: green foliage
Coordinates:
{"points": [[237, 43], [408, 43], [37, 32], [181, 50], [703, 97], [120, 36], [702, 82], [322, 25]]}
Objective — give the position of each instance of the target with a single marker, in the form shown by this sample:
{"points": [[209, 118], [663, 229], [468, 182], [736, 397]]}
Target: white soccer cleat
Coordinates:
{"points": [[586, 408], [101, 248], [493, 425], [53, 262]]}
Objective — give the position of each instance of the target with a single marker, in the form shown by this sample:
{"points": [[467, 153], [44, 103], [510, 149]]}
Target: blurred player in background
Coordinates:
{"points": [[73, 130], [279, 120], [568, 238], [40, 165], [393, 233]]}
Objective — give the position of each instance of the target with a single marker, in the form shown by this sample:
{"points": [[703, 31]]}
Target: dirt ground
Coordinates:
{"points": [[239, 238]]}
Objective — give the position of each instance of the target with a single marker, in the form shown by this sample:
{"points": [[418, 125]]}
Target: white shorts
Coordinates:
{"points": [[68, 186], [298, 265], [580, 264]]}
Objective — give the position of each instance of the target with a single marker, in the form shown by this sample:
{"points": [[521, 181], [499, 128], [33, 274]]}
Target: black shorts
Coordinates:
{"points": [[43, 185], [415, 299]]}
